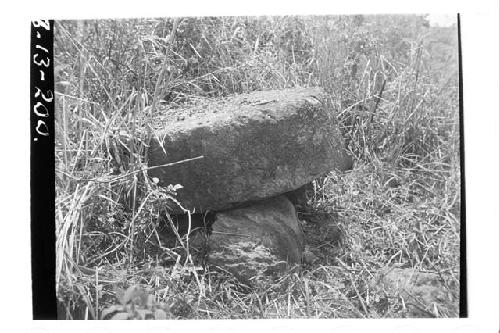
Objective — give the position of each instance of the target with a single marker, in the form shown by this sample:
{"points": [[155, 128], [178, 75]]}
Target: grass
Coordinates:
{"points": [[392, 86]]}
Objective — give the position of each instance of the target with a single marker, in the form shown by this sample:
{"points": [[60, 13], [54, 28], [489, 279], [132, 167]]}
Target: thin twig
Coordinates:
{"points": [[100, 180]]}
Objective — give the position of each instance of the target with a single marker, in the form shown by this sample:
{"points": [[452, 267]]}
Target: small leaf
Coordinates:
{"points": [[135, 294], [177, 187], [160, 314], [111, 310], [144, 314], [120, 316]]}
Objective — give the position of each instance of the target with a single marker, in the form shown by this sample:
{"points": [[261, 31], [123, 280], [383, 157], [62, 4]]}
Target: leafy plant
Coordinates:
{"points": [[392, 86]]}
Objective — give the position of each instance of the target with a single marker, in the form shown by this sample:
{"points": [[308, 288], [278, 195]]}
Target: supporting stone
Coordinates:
{"points": [[262, 238]]}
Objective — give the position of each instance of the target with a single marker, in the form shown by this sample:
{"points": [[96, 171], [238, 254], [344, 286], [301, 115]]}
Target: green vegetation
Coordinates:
{"points": [[393, 87]]}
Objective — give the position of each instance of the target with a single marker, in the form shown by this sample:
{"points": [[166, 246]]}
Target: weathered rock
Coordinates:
{"points": [[254, 146], [262, 238], [424, 294]]}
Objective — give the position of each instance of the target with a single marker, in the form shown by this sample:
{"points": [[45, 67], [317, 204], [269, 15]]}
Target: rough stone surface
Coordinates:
{"points": [[262, 238], [424, 294], [254, 146]]}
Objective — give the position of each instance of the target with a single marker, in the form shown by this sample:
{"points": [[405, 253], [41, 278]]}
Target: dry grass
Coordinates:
{"points": [[393, 88]]}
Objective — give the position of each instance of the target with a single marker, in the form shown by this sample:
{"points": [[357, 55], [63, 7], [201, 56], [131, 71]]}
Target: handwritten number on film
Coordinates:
{"points": [[41, 59]]}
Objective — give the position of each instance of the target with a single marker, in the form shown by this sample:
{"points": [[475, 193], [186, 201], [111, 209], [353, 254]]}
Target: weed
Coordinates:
{"points": [[392, 88]]}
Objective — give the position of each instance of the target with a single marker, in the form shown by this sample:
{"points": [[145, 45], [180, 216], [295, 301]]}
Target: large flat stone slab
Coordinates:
{"points": [[254, 146]]}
